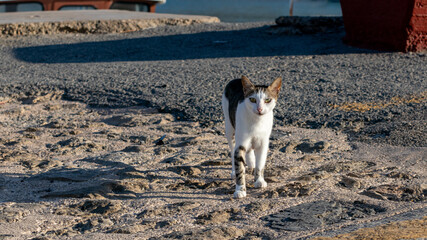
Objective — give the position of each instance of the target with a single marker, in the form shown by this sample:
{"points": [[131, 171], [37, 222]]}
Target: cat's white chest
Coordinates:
{"points": [[251, 128]]}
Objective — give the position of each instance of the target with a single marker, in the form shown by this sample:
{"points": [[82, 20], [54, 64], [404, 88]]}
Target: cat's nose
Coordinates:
{"points": [[259, 110]]}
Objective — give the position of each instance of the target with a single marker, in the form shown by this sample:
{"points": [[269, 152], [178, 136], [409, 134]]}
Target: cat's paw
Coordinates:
{"points": [[260, 183], [240, 191], [233, 175], [239, 194]]}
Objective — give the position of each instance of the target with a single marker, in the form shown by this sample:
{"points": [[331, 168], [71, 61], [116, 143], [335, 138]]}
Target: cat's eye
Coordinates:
{"points": [[253, 100], [267, 100]]}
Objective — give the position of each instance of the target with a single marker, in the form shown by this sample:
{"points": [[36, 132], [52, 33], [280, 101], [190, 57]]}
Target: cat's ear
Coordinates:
{"points": [[275, 86], [248, 86]]}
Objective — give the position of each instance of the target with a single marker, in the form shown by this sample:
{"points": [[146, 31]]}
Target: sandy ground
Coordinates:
{"points": [[68, 171]]}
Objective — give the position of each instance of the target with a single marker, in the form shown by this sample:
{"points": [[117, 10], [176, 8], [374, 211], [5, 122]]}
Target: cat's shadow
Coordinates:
{"points": [[252, 42]]}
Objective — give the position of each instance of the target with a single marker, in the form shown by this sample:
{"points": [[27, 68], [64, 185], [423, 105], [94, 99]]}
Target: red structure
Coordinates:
{"points": [[54, 5], [390, 25]]}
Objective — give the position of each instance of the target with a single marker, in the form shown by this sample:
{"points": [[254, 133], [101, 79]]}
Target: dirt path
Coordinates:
{"points": [[70, 171]]}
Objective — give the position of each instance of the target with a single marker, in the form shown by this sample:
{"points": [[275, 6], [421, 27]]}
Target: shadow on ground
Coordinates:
{"points": [[253, 42]]}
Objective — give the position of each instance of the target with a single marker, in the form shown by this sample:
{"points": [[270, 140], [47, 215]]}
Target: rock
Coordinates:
{"points": [[76, 144], [14, 111], [160, 211], [296, 189], [42, 164], [256, 207], [350, 183], [277, 171], [183, 206], [187, 170], [346, 166], [134, 148], [126, 121], [133, 228], [290, 147], [307, 146], [187, 184], [43, 97], [56, 124], [11, 215], [93, 224], [162, 150], [141, 139], [312, 158], [214, 217], [216, 163], [313, 215], [310, 147], [53, 107], [96, 191], [170, 209], [414, 193], [66, 175], [217, 232], [400, 175], [166, 223], [103, 207], [314, 176], [183, 158], [132, 186], [32, 129]]}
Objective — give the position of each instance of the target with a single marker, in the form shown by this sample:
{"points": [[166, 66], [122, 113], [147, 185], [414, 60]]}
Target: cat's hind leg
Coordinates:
{"points": [[229, 133]]}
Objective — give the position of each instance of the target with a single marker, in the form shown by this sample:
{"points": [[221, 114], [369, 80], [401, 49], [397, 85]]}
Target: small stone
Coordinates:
{"points": [[346, 166], [314, 215], [216, 163], [166, 223], [214, 217], [134, 148], [400, 175], [412, 193], [257, 207], [309, 147], [53, 107], [42, 98], [32, 129], [290, 147], [131, 229], [103, 207], [350, 183], [125, 121], [312, 158], [314, 176]]}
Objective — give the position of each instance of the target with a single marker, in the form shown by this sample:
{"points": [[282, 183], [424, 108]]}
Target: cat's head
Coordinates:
{"points": [[260, 99]]}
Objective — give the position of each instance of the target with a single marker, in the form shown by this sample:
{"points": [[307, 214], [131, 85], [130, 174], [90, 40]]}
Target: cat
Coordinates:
{"points": [[248, 113]]}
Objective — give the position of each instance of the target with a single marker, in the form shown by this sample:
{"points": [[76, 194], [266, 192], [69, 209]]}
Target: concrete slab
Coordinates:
{"points": [[90, 21]]}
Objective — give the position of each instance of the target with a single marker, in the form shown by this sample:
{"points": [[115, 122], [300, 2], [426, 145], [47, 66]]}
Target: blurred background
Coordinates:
{"points": [[251, 10], [226, 10]]}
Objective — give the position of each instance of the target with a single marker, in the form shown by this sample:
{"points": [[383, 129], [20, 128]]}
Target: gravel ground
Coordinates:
{"points": [[71, 171], [68, 171], [372, 96]]}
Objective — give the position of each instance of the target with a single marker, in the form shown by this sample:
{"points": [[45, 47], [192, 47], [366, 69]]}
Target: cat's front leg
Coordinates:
{"points": [[250, 161], [239, 162], [261, 158]]}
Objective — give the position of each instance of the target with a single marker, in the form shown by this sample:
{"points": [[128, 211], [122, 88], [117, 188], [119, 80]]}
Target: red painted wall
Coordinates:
{"points": [[390, 25]]}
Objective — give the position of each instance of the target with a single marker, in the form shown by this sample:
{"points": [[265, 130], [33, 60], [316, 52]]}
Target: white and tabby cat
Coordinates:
{"points": [[248, 112]]}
